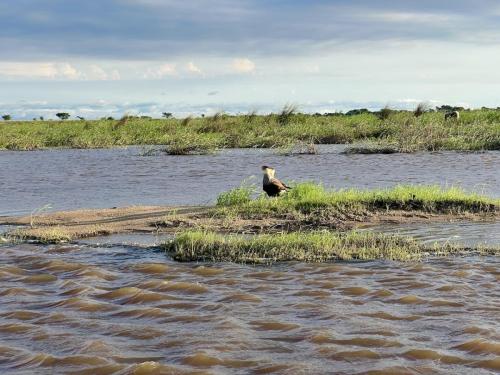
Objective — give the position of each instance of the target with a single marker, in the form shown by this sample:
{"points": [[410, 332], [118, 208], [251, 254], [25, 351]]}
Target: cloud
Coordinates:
{"points": [[114, 75], [97, 73], [168, 29], [56, 71], [68, 71], [167, 70], [192, 68], [412, 17], [40, 70], [243, 66], [161, 71]]}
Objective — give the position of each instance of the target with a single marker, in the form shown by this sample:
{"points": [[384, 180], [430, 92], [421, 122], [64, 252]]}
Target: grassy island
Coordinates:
{"points": [[307, 200], [309, 223]]}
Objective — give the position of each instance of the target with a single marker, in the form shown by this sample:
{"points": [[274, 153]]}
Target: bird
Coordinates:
{"points": [[271, 185]]}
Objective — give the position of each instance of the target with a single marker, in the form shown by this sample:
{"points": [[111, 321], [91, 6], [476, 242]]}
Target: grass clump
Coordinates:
{"points": [[297, 148], [421, 109], [370, 148], [193, 145], [286, 114], [315, 200], [296, 246], [236, 196]]}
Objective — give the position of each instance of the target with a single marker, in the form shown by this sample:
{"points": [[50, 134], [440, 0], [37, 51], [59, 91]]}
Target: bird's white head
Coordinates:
{"points": [[268, 171]]}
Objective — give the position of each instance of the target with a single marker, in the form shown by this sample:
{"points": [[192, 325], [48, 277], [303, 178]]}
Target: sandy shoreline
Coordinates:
{"points": [[66, 226]]}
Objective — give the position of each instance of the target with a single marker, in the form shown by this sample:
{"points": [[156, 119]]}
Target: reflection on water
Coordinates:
{"points": [[102, 310], [463, 233], [69, 179]]}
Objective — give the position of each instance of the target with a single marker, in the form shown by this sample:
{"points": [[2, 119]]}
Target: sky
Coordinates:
{"points": [[110, 57]]}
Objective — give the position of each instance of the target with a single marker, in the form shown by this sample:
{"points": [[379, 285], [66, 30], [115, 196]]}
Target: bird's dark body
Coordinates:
{"points": [[271, 185], [272, 190]]}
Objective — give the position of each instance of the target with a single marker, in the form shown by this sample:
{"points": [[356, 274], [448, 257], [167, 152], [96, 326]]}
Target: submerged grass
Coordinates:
{"points": [[44, 235], [297, 246], [316, 246], [476, 130], [371, 148], [312, 199]]}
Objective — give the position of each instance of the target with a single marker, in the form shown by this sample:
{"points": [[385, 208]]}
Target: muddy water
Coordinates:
{"points": [[69, 179], [99, 307], [121, 310]]}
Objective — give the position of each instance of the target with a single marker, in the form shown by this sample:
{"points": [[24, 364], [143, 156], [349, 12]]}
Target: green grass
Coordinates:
{"points": [[296, 246], [238, 196], [311, 199], [476, 130]]}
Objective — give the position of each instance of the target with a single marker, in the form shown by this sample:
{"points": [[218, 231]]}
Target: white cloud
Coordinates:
{"points": [[161, 71], [415, 17], [56, 71], [192, 68], [167, 70], [68, 71], [25, 70], [44, 70], [243, 66], [115, 75], [97, 73]]}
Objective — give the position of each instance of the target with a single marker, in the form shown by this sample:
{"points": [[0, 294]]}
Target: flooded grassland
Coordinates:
{"points": [[122, 305]]}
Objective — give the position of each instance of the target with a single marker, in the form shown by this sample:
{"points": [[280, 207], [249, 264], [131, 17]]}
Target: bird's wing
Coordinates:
{"points": [[280, 185]]}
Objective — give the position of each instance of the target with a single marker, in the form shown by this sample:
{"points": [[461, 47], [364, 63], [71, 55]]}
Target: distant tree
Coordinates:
{"points": [[80, 118], [354, 112], [146, 117], [167, 114], [41, 118], [6, 117], [63, 115], [110, 118], [449, 108], [34, 119]]}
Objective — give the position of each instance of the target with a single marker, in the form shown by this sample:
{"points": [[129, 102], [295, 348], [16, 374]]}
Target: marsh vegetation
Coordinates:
{"points": [[313, 246], [402, 131], [298, 246]]}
